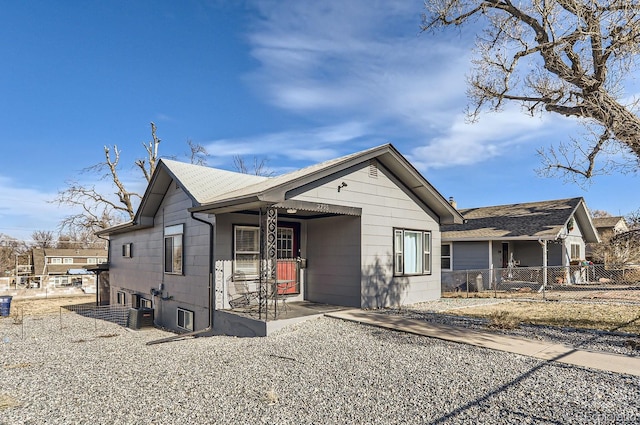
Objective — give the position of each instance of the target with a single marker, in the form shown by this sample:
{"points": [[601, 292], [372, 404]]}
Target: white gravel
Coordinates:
{"points": [[323, 371]]}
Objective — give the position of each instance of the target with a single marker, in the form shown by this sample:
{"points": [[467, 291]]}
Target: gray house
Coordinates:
{"points": [[536, 234], [361, 230]]}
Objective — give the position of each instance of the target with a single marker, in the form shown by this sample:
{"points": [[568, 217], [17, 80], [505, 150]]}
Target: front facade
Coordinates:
{"points": [[536, 234], [360, 231]]}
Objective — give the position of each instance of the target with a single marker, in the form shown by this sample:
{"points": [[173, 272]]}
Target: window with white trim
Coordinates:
{"points": [[185, 319], [121, 298], [446, 251], [411, 252], [246, 251], [67, 260], [173, 249], [145, 303], [575, 251], [126, 250], [55, 260], [92, 260]]}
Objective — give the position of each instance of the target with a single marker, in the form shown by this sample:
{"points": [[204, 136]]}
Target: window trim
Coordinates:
{"points": [[236, 227], [144, 303], [173, 233], [121, 298], [577, 247], [127, 250], [185, 314], [399, 255]]}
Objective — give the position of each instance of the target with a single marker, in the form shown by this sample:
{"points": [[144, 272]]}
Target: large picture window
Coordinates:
{"points": [[246, 251], [173, 249], [412, 252]]}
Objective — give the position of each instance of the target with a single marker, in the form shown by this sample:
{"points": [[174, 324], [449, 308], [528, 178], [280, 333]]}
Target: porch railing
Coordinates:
{"points": [[262, 293]]}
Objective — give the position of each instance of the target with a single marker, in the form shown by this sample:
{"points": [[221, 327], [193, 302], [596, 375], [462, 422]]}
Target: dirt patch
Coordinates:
{"points": [[607, 317], [42, 306]]}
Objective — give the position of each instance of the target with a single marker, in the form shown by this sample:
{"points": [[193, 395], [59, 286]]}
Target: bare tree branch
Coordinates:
{"points": [[568, 57]]}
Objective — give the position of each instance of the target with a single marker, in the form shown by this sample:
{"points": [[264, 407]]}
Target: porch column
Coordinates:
{"points": [[268, 254]]}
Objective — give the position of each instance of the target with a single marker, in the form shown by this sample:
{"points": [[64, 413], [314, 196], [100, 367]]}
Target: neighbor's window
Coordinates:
{"points": [[173, 249], [445, 256], [246, 251], [56, 260], [412, 252], [185, 319], [92, 260], [575, 251], [121, 298], [126, 250]]}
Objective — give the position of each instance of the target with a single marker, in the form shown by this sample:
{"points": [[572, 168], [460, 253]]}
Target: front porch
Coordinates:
{"points": [[248, 322]]}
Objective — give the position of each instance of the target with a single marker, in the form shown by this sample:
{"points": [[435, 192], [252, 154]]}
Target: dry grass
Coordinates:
{"points": [[39, 306], [7, 401], [608, 317]]}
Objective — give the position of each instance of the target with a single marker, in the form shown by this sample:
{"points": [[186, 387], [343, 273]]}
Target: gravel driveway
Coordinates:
{"points": [[323, 371]]}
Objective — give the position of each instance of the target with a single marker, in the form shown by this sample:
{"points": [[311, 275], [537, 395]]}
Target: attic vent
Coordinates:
{"points": [[373, 170]]}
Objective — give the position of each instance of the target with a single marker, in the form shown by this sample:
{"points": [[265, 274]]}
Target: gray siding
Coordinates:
{"points": [[145, 269], [385, 204], [333, 268], [471, 255]]}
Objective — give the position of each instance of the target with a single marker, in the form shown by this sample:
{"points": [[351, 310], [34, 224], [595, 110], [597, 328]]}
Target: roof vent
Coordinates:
{"points": [[373, 170]]}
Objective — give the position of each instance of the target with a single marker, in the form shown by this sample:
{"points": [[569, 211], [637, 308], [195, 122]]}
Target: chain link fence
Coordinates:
{"points": [[117, 314], [580, 281]]}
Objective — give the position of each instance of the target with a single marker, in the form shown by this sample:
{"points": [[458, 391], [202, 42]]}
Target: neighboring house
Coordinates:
{"points": [[64, 267], [365, 229], [536, 234], [607, 227]]}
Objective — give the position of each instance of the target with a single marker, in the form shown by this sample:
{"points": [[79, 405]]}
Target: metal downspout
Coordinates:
{"points": [[212, 301]]}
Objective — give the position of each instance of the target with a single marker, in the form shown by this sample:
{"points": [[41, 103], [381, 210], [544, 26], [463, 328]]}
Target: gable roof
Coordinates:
{"points": [[526, 221], [276, 190], [610, 223], [215, 191]]}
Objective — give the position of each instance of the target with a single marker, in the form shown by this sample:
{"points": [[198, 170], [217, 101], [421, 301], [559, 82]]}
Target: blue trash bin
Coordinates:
{"points": [[5, 305]]}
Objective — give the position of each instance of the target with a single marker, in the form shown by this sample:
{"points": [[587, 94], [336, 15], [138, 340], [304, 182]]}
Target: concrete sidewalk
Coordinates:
{"points": [[539, 349]]}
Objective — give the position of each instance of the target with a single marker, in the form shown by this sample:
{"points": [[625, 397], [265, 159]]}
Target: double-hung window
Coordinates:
{"points": [[173, 249], [246, 250], [411, 252], [575, 251]]}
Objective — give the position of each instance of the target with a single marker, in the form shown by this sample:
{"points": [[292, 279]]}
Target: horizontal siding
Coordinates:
{"points": [[470, 255], [145, 269], [385, 204]]}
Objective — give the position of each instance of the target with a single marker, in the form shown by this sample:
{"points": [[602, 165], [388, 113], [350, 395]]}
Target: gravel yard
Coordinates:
{"points": [[323, 371]]}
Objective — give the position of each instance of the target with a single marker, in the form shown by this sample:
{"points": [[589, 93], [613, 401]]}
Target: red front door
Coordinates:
{"points": [[287, 253]]}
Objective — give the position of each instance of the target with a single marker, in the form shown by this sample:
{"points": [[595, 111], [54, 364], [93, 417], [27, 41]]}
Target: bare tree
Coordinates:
{"points": [[569, 57], [259, 166], [600, 214], [43, 238], [10, 249], [198, 153], [100, 210]]}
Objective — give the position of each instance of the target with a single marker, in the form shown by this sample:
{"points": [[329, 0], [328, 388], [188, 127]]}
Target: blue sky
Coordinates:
{"points": [[294, 82]]}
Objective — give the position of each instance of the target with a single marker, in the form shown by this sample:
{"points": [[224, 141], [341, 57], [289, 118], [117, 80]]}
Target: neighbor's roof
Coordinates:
{"points": [[527, 221], [602, 223]]}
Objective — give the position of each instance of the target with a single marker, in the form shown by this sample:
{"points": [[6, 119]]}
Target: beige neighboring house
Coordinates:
{"points": [[56, 268], [607, 227]]}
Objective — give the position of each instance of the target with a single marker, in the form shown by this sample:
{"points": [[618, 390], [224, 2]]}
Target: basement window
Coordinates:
{"points": [[185, 319]]}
